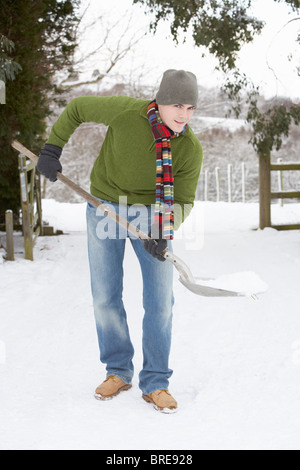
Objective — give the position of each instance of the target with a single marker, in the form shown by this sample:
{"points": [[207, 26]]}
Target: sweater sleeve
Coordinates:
{"points": [[98, 109]]}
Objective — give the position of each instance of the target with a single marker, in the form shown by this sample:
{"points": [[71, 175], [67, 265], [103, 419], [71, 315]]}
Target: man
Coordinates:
{"points": [[150, 157]]}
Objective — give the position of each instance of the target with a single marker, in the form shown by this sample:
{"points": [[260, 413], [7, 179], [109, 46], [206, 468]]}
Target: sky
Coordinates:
{"points": [[265, 60]]}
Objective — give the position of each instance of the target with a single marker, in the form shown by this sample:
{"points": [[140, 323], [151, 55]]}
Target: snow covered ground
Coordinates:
{"points": [[236, 361]]}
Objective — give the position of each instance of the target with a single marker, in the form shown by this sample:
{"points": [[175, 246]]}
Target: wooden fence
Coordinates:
{"points": [[265, 192], [31, 204]]}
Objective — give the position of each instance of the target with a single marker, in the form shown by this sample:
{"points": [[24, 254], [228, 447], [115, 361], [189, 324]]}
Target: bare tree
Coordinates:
{"points": [[113, 42]]}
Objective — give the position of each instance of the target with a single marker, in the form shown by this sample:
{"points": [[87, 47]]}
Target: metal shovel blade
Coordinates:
{"points": [[186, 278], [206, 291]]}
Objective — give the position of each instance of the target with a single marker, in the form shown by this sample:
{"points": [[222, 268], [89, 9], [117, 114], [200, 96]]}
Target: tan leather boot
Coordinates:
{"points": [[162, 401], [110, 388]]}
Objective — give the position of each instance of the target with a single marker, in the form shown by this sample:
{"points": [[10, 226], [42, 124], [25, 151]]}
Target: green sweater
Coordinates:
{"points": [[126, 165]]}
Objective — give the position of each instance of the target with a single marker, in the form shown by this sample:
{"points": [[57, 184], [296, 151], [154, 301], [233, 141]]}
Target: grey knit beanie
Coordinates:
{"points": [[178, 87]]}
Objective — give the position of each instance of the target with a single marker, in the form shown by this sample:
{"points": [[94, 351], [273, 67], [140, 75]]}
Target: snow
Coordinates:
{"points": [[246, 283], [236, 361]]}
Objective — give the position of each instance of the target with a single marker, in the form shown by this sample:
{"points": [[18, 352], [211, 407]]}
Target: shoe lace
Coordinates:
{"points": [[111, 377], [163, 390]]}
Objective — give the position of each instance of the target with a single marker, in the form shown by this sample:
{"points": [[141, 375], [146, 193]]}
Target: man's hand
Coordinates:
{"points": [[156, 247], [49, 164]]}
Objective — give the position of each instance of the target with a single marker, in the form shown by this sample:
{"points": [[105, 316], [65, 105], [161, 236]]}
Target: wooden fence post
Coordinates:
{"points": [[27, 230], [217, 171], [9, 224], [229, 177], [280, 182], [206, 185], [265, 189], [244, 182], [38, 197]]}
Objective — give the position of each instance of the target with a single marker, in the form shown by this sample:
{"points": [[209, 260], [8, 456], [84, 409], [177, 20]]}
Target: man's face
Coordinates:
{"points": [[176, 116]]}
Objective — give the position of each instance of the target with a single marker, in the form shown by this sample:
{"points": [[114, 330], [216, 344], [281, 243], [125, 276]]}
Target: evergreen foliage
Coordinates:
{"points": [[40, 36], [8, 68]]}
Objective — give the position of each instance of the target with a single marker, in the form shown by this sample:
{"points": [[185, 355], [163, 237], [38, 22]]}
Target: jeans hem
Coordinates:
{"points": [[155, 389], [125, 379]]}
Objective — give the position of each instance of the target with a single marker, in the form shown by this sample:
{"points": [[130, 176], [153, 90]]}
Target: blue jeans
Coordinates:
{"points": [[106, 247]]}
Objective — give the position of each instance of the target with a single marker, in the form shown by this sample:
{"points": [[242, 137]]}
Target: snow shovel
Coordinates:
{"points": [[186, 277]]}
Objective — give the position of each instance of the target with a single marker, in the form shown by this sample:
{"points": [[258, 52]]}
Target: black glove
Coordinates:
{"points": [[48, 163], [156, 247]]}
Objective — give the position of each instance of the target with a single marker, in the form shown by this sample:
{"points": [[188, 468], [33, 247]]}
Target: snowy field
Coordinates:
{"points": [[236, 361]]}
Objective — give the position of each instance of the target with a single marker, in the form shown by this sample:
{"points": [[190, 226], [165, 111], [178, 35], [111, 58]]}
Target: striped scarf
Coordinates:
{"points": [[164, 203]]}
